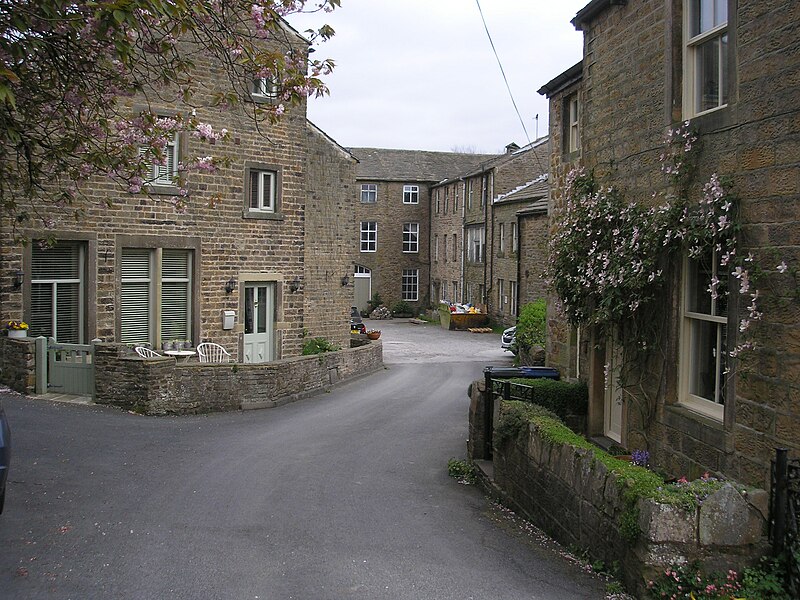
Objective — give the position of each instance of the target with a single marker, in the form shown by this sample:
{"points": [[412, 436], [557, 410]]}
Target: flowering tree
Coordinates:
{"points": [[69, 70]]}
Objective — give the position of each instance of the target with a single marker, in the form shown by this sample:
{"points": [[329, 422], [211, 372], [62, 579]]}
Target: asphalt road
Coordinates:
{"points": [[343, 495]]}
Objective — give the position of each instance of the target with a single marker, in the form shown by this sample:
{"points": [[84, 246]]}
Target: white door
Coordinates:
{"points": [[362, 284], [259, 322], [613, 393]]}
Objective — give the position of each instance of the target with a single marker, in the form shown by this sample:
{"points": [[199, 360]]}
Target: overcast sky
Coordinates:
{"points": [[421, 74]]}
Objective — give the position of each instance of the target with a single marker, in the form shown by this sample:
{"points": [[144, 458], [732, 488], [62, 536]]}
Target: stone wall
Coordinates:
{"points": [[331, 238], [576, 499], [163, 386], [18, 364]]}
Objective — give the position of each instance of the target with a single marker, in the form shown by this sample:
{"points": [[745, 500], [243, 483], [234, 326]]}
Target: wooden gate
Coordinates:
{"points": [[70, 368]]}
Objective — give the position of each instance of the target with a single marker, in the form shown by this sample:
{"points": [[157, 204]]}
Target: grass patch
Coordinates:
{"points": [[635, 482]]}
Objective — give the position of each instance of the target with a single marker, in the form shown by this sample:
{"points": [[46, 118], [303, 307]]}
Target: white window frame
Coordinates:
{"points": [[266, 181], [696, 34], [410, 285], [501, 235], [155, 281], [369, 193], [369, 236], [438, 202], [164, 174], [573, 115], [469, 195], [475, 244], [264, 88], [446, 207], [59, 277], [455, 291], [444, 248], [436, 248], [410, 194], [691, 322], [514, 237], [512, 292], [410, 238], [501, 292]]}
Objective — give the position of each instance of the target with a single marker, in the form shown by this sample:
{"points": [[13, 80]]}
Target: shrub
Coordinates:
{"points": [[462, 470], [532, 325], [318, 346], [560, 397], [401, 307], [375, 301]]}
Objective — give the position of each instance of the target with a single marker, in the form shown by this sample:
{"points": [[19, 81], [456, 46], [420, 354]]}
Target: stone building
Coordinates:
{"points": [[135, 270], [393, 221], [485, 270], [728, 68], [519, 256]]}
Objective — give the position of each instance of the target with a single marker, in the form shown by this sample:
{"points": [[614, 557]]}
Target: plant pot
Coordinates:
{"points": [[374, 335], [17, 333]]}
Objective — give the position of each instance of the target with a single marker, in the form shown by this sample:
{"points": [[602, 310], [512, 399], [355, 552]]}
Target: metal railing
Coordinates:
{"points": [[784, 521]]}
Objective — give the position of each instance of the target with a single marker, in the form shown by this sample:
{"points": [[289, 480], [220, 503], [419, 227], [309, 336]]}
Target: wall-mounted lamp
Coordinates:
{"points": [[345, 280], [230, 285], [19, 279], [294, 285]]}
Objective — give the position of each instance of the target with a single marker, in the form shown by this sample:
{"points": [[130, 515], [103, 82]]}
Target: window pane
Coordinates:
{"points": [[135, 313], [135, 304], [175, 294], [698, 298], [248, 310], [174, 311], [708, 75], [60, 261], [262, 309], [41, 310], [255, 186], [68, 313], [707, 360]]}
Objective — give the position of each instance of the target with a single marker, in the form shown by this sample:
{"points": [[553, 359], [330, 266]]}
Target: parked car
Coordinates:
{"points": [[509, 340], [356, 323], [5, 455]]}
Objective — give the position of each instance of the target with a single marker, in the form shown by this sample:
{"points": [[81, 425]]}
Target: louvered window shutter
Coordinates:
{"points": [[135, 296], [175, 295]]}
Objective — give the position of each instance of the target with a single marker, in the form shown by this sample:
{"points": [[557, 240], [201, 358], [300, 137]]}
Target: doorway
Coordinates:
{"points": [[259, 322], [613, 400]]}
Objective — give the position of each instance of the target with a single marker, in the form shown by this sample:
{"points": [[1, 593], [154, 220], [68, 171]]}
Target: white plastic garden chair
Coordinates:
{"points": [[209, 352], [146, 352]]}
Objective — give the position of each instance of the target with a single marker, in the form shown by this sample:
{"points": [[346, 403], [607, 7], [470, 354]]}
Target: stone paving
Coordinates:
{"points": [[407, 342]]}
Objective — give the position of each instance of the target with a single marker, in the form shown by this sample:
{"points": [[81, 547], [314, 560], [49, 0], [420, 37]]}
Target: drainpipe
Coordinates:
{"points": [[463, 233], [489, 247]]}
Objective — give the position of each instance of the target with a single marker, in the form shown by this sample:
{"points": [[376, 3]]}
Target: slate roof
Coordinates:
{"points": [[414, 165], [540, 148], [532, 190]]}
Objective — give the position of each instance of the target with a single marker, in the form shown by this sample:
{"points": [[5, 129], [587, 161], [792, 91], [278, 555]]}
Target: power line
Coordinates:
{"points": [[500, 64]]}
